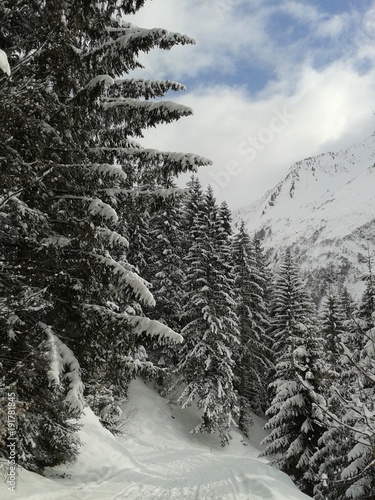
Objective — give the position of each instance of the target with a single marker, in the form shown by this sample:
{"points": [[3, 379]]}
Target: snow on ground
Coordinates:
{"points": [[158, 458]]}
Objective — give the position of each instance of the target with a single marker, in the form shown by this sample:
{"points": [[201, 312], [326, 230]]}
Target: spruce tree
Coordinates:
{"points": [[165, 271], [70, 301], [330, 458], [253, 360], [360, 415], [346, 303], [262, 270], [345, 454], [290, 304], [211, 332], [294, 420], [191, 204], [333, 329], [226, 218], [367, 306], [166, 274]]}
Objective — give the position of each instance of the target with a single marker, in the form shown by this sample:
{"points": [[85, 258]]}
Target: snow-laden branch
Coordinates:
{"points": [[140, 325], [136, 87], [187, 161], [327, 412], [64, 363], [350, 357], [349, 479], [137, 151], [153, 328], [164, 108], [98, 207], [97, 80], [161, 192], [109, 170], [4, 64], [128, 278], [113, 237], [140, 87], [156, 37]]}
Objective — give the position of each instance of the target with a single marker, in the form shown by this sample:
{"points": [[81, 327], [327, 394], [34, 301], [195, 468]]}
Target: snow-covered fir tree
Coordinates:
{"points": [[191, 204], [367, 306], [333, 329], [295, 422], [345, 457], [359, 415], [346, 303], [166, 273], [290, 304], [253, 359], [69, 298], [165, 270], [226, 218], [211, 332], [262, 270], [330, 458]]}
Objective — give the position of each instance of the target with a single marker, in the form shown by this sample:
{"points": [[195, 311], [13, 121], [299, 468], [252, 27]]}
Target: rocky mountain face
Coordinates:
{"points": [[324, 208]]}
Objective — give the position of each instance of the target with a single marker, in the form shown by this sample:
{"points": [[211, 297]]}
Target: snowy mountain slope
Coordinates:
{"points": [[158, 458], [325, 209]]}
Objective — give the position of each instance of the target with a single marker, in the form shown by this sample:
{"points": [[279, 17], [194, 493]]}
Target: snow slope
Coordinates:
{"points": [[325, 209], [158, 458]]}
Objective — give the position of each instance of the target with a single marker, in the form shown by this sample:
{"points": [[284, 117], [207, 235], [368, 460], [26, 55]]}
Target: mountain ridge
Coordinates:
{"points": [[324, 208]]}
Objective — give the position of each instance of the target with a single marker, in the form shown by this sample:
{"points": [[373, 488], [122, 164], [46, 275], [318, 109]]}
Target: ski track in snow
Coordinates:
{"points": [[158, 458]]}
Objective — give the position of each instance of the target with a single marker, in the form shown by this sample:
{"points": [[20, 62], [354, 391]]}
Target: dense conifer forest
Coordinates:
{"points": [[110, 270]]}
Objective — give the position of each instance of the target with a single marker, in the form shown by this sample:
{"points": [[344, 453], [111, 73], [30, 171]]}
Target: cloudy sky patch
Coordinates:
{"points": [[270, 82]]}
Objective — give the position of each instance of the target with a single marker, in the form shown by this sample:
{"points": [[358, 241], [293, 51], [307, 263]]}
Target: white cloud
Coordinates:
{"points": [[335, 26], [222, 32], [331, 105]]}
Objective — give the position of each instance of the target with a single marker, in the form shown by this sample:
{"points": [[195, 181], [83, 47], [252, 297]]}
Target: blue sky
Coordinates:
{"points": [[270, 82]]}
